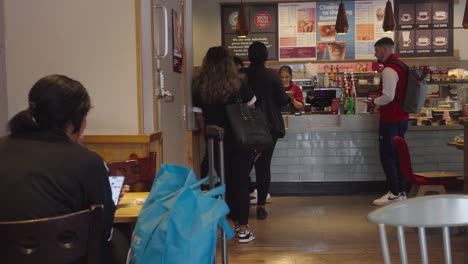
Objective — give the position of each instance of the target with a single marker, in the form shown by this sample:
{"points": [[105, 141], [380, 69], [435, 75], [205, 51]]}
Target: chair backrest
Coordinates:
{"points": [[71, 238], [441, 211], [404, 158], [136, 170]]}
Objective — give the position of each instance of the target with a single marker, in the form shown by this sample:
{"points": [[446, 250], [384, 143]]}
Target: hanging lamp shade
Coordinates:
{"points": [[242, 27], [341, 25], [465, 17], [389, 19]]}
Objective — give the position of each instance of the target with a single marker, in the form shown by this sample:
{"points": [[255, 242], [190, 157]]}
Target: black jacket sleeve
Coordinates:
{"points": [[282, 98], [98, 191]]}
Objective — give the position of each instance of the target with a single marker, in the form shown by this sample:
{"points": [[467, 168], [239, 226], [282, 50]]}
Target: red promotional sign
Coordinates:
{"points": [[262, 19]]}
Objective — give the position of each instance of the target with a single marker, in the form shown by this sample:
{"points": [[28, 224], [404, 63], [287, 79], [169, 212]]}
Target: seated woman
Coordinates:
{"points": [[45, 170], [297, 98]]}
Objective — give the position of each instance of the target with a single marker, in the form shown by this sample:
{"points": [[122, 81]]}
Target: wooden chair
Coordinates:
{"points": [[433, 211], [139, 172], [423, 182], [71, 238]]}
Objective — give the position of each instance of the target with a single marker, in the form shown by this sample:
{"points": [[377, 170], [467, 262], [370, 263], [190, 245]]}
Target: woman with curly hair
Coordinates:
{"points": [[218, 84]]}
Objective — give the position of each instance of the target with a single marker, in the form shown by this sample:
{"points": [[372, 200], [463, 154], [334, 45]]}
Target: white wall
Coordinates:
{"points": [[207, 26], [91, 41], [3, 94]]}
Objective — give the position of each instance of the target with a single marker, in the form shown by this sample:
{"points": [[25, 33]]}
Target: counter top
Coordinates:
{"points": [[360, 122]]}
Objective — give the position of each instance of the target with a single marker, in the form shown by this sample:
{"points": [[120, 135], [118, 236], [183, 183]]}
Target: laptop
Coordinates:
{"points": [[116, 183]]}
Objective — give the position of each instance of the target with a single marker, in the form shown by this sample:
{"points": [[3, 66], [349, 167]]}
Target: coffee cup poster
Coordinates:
{"points": [[424, 28], [306, 31]]}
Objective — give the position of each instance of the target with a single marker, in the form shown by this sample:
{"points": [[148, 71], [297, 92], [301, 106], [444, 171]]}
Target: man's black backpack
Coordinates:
{"points": [[415, 90]]}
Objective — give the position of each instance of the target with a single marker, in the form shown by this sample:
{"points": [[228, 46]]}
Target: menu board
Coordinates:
{"points": [[424, 28], [262, 27], [305, 31], [301, 31], [369, 19], [297, 31]]}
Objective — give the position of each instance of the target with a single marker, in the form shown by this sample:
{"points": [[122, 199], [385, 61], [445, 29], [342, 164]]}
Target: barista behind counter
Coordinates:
{"points": [[294, 91]]}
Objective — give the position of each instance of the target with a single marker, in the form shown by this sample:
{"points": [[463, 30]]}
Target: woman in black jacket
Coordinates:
{"points": [[218, 84], [271, 97]]}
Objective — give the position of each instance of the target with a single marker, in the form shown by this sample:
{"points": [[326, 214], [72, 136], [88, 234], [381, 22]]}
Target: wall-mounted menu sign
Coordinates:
{"points": [[262, 27], [305, 31], [369, 19], [297, 31], [424, 28], [336, 46], [310, 26]]}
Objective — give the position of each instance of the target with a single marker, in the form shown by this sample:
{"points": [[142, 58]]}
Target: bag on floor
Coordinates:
{"points": [[178, 222]]}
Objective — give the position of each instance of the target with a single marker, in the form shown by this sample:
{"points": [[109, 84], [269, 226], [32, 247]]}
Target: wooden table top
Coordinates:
{"points": [[128, 209], [458, 145]]}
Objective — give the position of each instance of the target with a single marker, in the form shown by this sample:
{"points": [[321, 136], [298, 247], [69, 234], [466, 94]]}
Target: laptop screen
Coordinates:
{"points": [[116, 183]]}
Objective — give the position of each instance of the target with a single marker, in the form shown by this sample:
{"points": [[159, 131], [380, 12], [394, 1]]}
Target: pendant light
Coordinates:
{"points": [[341, 25], [465, 17], [242, 28], [389, 19]]}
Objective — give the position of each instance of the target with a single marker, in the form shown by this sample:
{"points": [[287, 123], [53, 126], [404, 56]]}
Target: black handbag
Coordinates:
{"points": [[248, 126]]}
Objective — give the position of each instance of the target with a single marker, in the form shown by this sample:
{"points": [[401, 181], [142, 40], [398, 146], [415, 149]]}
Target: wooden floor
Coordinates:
{"points": [[329, 229]]}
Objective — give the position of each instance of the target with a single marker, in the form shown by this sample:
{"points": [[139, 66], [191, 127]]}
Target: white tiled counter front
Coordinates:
{"points": [[344, 148]]}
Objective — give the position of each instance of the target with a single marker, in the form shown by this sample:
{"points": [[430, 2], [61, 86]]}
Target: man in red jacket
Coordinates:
{"points": [[393, 120]]}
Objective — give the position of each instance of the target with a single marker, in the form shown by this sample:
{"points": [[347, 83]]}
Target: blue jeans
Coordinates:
{"points": [[388, 156]]}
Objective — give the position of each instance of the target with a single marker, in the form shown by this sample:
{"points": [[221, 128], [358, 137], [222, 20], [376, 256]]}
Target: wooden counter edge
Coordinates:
{"points": [[122, 138]]}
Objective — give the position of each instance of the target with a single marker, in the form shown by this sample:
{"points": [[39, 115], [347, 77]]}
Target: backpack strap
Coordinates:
{"points": [[402, 66], [397, 63]]}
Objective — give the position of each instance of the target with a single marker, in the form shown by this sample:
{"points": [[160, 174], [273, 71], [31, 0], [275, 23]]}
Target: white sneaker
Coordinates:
{"points": [[389, 198], [245, 236], [253, 197]]}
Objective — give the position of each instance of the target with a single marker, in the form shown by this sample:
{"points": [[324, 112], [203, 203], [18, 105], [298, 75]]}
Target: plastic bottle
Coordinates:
{"points": [[326, 81], [332, 77]]}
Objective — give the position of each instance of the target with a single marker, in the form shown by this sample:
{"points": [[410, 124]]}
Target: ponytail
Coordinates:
{"points": [[55, 101], [22, 123]]}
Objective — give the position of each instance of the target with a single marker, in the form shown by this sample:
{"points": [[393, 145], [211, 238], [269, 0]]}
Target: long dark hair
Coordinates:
{"points": [[54, 102], [218, 78]]}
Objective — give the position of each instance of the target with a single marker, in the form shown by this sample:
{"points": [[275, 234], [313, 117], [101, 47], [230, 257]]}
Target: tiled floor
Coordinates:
{"points": [[329, 229]]}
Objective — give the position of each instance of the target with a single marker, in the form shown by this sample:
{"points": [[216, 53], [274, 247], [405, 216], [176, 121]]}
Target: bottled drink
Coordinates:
{"points": [[332, 77], [326, 81]]}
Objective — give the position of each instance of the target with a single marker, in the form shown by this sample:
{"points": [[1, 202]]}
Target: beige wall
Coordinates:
{"points": [[207, 26], [91, 41], [3, 95]]}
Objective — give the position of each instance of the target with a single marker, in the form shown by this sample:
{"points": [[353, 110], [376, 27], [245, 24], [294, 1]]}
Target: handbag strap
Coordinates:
{"points": [[215, 191]]}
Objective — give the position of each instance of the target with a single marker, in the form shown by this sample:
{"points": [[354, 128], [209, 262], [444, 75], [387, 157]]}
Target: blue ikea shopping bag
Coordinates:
{"points": [[178, 222]]}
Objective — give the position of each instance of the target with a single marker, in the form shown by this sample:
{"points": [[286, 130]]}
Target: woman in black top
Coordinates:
{"points": [[45, 171], [268, 88], [219, 84]]}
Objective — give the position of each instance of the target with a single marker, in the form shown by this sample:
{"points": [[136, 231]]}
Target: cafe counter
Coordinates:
{"points": [[324, 154]]}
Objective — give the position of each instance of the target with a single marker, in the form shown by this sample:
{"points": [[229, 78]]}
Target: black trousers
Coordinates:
{"points": [[116, 250], [388, 155], [263, 173], [237, 166]]}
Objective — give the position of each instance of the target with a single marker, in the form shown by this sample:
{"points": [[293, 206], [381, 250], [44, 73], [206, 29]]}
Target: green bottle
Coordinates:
{"points": [[350, 105]]}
